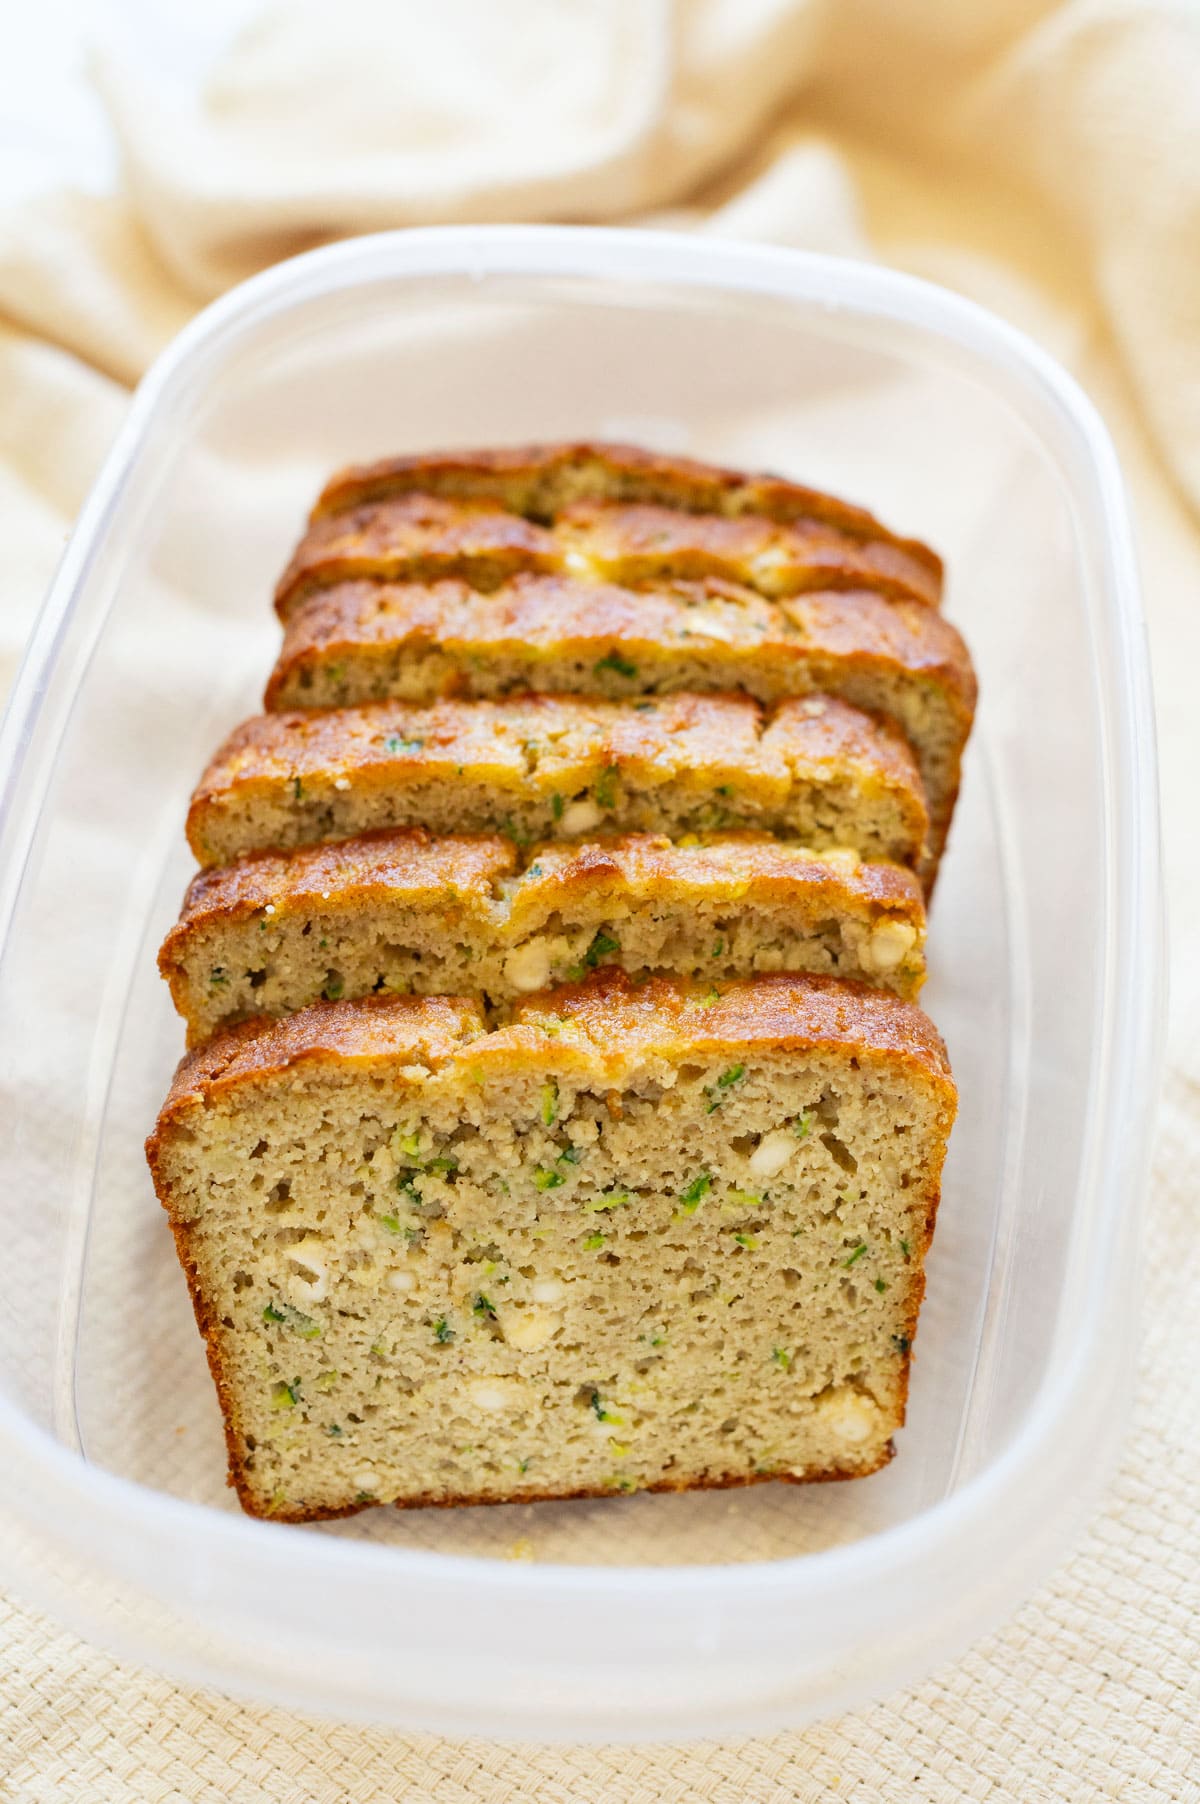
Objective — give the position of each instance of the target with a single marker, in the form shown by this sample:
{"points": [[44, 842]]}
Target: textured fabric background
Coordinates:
{"points": [[1043, 159]]}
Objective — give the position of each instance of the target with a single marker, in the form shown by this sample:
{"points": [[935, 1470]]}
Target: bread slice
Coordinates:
{"points": [[636, 543], [541, 482], [401, 912], [541, 766], [366, 641], [641, 1238], [419, 538]]}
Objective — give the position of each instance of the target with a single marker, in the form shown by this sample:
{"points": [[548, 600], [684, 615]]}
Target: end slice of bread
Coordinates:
{"points": [[541, 766], [402, 912], [661, 1236]]}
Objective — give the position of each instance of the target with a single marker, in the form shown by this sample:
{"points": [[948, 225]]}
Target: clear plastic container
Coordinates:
{"points": [[650, 1616]]}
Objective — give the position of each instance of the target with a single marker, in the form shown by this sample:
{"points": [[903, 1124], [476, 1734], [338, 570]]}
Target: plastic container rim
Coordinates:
{"points": [[1131, 1008]]}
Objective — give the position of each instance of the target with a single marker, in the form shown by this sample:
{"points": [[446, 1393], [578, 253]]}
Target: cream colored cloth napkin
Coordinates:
{"points": [[1045, 160]]}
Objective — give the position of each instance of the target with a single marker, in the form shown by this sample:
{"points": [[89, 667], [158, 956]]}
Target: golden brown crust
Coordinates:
{"points": [[374, 746], [404, 868], [354, 616], [210, 1334], [753, 867], [530, 744], [818, 732], [614, 1022], [392, 1032], [420, 538], [504, 893], [860, 629], [405, 864], [541, 480], [771, 648], [639, 542], [606, 1025]]}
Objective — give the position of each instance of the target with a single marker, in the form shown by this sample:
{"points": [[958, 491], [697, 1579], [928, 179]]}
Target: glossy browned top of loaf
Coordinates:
{"points": [[638, 541], [413, 1034], [420, 537], [417, 537], [819, 732], [409, 865], [540, 481], [711, 866], [600, 1030], [388, 864], [615, 1021], [272, 747], [565, 617], [525, 740]]}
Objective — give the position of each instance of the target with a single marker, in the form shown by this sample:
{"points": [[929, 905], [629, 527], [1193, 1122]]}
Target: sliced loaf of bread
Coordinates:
{"points": [[641, 1238], [367, 641], [401, 911], [539, 766]]}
